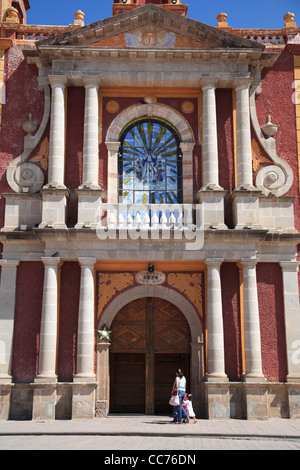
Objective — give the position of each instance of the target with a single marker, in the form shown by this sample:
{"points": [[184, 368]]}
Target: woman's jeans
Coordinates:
{"points": [[179, 411]]}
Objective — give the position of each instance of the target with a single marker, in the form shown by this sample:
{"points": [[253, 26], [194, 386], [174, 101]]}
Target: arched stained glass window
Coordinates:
{"points": [[150, 163]]}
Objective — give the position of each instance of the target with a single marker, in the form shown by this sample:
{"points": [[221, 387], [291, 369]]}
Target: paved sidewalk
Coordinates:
{"points": [[155, 426]]}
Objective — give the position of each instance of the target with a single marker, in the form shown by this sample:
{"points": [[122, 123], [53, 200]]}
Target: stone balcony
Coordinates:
{"points": [[49, 209]]}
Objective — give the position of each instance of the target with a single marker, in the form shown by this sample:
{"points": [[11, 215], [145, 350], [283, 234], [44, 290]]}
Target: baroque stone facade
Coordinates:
{"points": [[149, 191]]}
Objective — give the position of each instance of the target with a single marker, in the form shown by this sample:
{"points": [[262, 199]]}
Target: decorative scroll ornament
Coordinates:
{"points": [[190, 285], [257, 157], [109, 285], [274, 179], [23, 176]]}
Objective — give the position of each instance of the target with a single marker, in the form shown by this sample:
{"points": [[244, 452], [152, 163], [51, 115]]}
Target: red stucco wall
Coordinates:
{"points": [[271, 313], [68, 320], [231, 320], [30, 278]]}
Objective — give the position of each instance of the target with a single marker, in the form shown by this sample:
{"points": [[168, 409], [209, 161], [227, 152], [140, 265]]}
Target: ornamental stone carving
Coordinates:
{"points": [[23, 176], [274, 179]]}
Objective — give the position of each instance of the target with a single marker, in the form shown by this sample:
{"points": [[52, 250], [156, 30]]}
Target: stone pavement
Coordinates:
{"points": [[156, 426]]}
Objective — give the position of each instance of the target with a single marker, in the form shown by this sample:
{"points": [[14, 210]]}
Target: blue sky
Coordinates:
{"points": [[241, 14]]}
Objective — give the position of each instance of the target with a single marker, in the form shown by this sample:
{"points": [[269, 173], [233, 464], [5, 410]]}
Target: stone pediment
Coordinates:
{"points": [[150, 27]]}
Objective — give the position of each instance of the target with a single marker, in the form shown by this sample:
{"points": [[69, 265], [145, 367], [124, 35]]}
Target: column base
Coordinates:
{"points": [[45, 379], [5, 379], [215, 377], [84, 378], [254, 378], [293, 378]]}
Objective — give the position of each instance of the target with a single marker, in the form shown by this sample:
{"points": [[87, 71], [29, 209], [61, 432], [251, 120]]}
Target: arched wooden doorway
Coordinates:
{"points": [[150, 340]]}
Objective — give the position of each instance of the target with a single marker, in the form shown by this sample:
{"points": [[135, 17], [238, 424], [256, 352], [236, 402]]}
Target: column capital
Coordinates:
{"points": [[112, 146], [213, 261], [51, 261], [187, 146], [9, 263], [208, 83], [289, 265], [87, 261], [248, 262], [242, 83], [91, 82], [58, 80]]}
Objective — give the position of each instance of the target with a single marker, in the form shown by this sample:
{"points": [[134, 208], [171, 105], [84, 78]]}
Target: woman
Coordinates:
{"points": [[179, 387]]}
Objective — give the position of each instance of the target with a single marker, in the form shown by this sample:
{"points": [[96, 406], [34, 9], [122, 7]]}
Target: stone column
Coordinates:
{"points": [[243, 137], [89, 193], [210, 138], [86, 323], [187, 149], [7, 315], [49, 323], [253, 362], [215, 331], [91, 144], [56, 168], [292, 318], [211, 195], [112, 176]]}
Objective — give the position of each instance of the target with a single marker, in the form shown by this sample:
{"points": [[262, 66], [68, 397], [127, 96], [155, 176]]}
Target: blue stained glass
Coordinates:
{"points": [[150, 165]]}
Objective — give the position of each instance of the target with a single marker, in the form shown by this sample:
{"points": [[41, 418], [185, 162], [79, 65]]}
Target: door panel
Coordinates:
{"points": [[150, 340], [165, 368], [128, 379]]}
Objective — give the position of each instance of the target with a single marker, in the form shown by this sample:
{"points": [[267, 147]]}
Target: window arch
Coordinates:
{"points": [[150, 162], [137, 111]]}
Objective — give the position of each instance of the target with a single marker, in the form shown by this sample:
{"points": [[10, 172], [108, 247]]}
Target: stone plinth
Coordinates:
{"points": [[217, 399], [44, 401], [83, 401]]}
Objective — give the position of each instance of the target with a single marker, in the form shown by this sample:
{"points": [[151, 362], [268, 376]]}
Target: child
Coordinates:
{"points": [[189, 408]]}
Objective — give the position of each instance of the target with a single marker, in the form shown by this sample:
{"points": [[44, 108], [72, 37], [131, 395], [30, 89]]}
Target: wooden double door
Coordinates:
{"points": [[150, 340]]}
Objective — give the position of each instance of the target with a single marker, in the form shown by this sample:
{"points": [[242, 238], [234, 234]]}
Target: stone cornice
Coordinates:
{"points": [[220, 54]]}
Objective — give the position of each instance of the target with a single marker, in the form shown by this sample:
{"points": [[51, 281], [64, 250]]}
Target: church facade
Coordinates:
{"points": [[150, 214]]}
